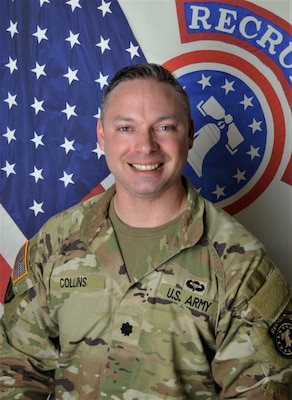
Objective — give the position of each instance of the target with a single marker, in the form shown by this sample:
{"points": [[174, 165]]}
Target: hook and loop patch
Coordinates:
{"points": [[20, 269]]}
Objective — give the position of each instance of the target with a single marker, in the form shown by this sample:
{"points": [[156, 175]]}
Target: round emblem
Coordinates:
{"points": [[281, 331], [240, 116], [236, 153]]}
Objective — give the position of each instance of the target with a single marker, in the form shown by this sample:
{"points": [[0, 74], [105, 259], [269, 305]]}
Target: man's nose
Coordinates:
{"points": [[146, 141]]}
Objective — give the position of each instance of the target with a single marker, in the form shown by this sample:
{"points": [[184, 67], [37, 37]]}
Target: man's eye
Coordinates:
{"points": [[166, 128], [124, 129]]}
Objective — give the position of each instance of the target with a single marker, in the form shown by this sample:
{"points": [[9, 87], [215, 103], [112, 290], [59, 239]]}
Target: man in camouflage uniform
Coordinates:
{"points": [[146, 291]]}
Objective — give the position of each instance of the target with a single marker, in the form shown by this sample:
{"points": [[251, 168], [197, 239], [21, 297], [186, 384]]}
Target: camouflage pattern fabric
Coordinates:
{"points": [[208, 317]]}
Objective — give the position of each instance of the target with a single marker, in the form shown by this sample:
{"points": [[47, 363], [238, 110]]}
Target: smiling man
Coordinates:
{"points": [[146, 291], [146, 132]]}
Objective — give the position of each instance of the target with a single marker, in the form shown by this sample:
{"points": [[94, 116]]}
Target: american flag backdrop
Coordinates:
{"points": [[57, 58]]}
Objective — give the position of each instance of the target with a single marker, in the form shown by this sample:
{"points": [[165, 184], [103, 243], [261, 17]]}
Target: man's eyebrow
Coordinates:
{"points": [[167, 116], [121, 117]]}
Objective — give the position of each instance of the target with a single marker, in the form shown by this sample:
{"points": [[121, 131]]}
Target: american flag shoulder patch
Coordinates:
{"points": [[20, 269]]}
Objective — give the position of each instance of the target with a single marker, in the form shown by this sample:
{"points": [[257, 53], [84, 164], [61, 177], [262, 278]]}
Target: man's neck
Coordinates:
{"points": [[150, 212]]}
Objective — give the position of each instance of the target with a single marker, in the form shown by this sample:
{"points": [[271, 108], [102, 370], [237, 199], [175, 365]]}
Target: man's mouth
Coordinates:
{"points": [[148, 167]]}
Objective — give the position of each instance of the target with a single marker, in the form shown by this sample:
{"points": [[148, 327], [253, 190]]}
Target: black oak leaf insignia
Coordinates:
{"points": [[126, 329]]}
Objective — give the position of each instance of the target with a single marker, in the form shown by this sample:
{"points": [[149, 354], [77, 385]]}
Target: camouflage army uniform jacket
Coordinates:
{"points": [[209, 316]]}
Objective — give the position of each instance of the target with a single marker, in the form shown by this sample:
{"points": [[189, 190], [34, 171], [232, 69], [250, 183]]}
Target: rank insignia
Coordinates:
{"points": [[126, 329], [20, 267], [281, 332]]}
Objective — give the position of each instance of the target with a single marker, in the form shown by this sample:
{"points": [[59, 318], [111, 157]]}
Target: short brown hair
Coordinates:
{"points": [[146, 71]]}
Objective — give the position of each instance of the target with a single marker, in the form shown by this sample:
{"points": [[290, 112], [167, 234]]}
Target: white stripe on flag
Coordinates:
{"points": [[108, 182], [11, 237]]}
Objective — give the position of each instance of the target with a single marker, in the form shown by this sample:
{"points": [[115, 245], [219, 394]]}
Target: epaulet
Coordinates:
{"points": [[21, 268]]}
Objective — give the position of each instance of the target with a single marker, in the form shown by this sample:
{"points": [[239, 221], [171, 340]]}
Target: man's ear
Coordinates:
{"points": [[100, 135], [191, 133]]}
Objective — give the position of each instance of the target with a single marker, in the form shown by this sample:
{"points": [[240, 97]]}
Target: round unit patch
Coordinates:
{"points": [[281, 332]]}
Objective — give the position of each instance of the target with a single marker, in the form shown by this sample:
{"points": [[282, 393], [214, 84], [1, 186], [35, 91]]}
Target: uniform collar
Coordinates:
{"points": [[191, 226]]}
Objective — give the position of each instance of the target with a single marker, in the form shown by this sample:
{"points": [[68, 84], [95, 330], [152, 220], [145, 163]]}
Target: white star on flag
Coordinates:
{"points": [[102, 80], [73, 39], [98, 151], [69, 111], [12, 28], [74, 4], [37, 139], [9, 169], [103, 44], [105, 7], [97, 115], [37, 105], [68, 145], [11, 100], [42, 2], [37, 173], [37, 208], [40, 34], [12, 65], [133, 50], [39, 70], [66, 178], [71, 75], [10, 134]]}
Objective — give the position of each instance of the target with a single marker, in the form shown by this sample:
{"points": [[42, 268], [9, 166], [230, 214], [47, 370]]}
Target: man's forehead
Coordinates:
{"points": [[137, 83], [141, 87], [153, 95]]}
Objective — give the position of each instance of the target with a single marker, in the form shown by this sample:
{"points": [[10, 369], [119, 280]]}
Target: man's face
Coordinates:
{"points": [[146, 135]]}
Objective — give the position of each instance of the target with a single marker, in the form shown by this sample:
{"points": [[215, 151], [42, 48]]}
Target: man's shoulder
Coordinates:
{"points": [[71, 218], [66, 227], [224, 228], [70, 224]]}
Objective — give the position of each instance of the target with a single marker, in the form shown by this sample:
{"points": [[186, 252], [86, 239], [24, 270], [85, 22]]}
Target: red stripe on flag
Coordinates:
{"points": [[287, 177], [5, 275], [96, 190], [101, 187]]}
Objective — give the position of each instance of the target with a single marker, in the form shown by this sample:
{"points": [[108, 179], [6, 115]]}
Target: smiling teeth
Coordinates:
{"points": [[145, 167]]}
